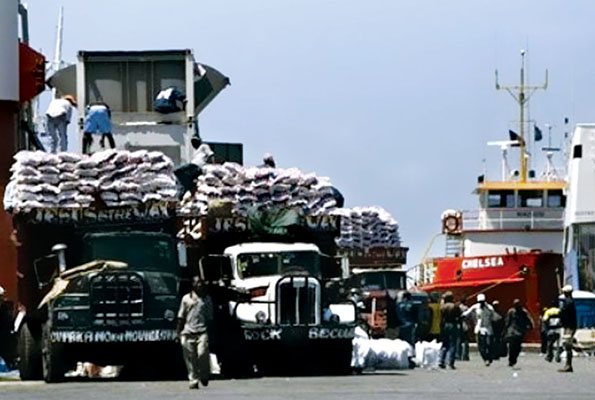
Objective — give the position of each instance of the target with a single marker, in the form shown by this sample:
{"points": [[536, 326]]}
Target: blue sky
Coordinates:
{"points": [[394, 100]]}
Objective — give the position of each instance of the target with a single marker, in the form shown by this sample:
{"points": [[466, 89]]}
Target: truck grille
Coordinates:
{"points": [[116, 299], [298, 301]]}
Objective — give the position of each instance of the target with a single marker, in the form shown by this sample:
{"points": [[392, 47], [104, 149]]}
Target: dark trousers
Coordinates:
{"points": [[552, 346], [497, 347], [450, 335], [544, 341], [462, 346], [88, 141], [484, 343], [514, 349], [407, 333]]}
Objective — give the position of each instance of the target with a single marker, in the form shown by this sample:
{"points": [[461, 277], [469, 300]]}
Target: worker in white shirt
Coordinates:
{"points": [[58, 116]]}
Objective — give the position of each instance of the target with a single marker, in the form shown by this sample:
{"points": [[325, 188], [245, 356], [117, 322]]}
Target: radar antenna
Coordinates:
{"points": [[522, 93]]}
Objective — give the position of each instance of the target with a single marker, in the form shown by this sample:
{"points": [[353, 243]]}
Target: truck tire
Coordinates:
{"points": [[29, 349], [52, 357]]}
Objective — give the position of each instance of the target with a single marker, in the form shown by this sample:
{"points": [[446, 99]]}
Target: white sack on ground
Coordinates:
{"points": [[427, 354], [380, 353]]}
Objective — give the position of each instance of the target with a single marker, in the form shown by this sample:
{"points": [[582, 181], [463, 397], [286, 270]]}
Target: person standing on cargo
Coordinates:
{"points": [[194, 318], [484, 316], [58, 116], [516, 325], [450, 315], [268, 161], [97, 121], [569, 325]]}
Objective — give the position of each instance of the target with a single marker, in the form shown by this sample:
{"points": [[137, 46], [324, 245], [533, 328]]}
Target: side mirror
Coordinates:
{"points": [[214, 268], [60, 251], [331, 267], [46, 269]]}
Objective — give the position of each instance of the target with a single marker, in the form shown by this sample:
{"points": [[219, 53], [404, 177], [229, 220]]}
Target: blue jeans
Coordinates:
{"points": [[484, 343], [57, 131], [450, 338]]}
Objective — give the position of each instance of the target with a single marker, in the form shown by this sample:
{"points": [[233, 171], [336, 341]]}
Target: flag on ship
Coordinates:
{"points": [[538, 135], [514, 136]]}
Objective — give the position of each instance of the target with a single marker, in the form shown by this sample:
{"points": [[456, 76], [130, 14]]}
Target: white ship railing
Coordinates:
{"points": [[513, 218]]}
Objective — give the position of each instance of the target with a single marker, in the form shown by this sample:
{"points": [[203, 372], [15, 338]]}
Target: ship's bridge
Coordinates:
{"points": [[533, 205]]}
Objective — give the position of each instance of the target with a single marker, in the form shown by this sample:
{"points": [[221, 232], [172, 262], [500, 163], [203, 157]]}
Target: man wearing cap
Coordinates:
{"points": [[484, 315], [194, 319], [268, 161], [569, 325], [58, 116], [517, 324], [551, 325]]}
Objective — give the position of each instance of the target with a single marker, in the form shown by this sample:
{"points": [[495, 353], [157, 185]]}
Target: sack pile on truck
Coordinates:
{"points": [[260, 188], [367, 227], [68, 180]]}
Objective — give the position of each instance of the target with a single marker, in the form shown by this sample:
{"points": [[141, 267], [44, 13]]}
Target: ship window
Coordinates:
{"points": [[577, 151], [584, 249], [131, 86], [555, 198], [531, 198], [501, 199]]}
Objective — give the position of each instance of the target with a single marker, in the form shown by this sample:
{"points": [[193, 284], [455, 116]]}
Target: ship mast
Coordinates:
{"points": [[522, 93]]}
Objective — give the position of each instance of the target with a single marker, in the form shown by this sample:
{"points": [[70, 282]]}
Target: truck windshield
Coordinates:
{"points": [[383, 280], [267, 264], [142, 252]]}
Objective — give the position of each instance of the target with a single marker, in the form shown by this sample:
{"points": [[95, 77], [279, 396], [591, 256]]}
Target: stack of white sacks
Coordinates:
{"points": [[67, 180], [367, 227], [248, 188], [378, 354]]}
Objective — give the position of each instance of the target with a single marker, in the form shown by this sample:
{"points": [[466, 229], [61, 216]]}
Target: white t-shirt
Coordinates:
{"points": [[59, 107], [202, 155]]}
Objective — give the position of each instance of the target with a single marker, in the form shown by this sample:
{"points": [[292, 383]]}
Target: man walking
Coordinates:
{"points": [[484, 316], [517, 324], [463, 340], [569, 325], [194, 318], [450, 315], [58, 116], [406, 316], [551, 325], [498, 347]]}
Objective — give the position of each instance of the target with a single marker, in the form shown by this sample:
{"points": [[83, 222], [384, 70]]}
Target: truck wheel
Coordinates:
{"points": [[52, 357], [29, 349]]}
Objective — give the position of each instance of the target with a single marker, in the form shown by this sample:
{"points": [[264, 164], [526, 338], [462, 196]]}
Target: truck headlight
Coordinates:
{"points": [[261, 317], [169, 315]]}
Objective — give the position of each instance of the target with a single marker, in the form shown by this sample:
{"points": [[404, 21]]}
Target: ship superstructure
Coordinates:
{"points": [[511, 246]]}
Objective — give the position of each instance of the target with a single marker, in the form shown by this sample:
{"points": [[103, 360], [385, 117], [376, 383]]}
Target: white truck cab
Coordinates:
{"points": [[268, 272]]}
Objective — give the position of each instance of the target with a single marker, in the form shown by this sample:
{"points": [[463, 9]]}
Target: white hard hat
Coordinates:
{"points": [[481, 297], [567, 289], [268, 157], [2, 291]]}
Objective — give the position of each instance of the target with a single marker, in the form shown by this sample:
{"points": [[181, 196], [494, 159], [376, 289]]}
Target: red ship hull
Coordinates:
{"points": [[531, 277]]}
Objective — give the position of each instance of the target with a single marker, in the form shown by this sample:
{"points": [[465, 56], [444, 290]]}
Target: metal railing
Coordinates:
{"points": [[513, 218]]}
